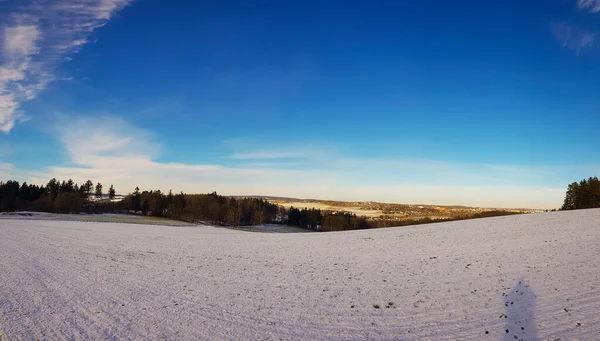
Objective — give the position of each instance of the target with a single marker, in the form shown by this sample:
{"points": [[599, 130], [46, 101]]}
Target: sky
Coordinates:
{"points": [[480, 103]]}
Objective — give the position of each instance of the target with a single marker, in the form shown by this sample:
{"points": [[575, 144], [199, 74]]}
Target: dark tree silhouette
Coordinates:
{"points": [[111, 192], [145, 207], [98, 192], [585, 194], [88, 187], [135, 200]]}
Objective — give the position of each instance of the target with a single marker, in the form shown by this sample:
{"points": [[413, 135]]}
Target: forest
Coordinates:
{"points": [[316, 219], [68, 197], [582, 194]]}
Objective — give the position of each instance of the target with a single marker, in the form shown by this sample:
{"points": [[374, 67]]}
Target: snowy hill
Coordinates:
{"points": [[527, 277]]}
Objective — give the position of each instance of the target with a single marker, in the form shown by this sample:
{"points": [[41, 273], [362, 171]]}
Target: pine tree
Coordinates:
{"points": [[111, 192], [570, 197], [145, 207], [53, 187], [88, 187], [585, 194], [135, 200], [99, 191]]}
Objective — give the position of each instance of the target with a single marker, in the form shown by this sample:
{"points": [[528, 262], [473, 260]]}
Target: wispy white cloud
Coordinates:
{"points": [[589, 5], [36, 37], [112, 151], [574, 38], [101, 141], [578, 33], [20, 41]]}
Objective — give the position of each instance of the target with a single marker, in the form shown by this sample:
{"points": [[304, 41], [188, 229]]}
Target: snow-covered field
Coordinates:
{"points": [[529, 277], [101, 218]]}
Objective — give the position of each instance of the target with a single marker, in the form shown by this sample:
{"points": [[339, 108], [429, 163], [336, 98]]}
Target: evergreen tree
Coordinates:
{"points": [[170, 197], [98, 192], [585, 194], [135, 200], [88, 187], [145, 206], [24, 192], [111, 192], [67, 186], [53, 187], [570, 197]]}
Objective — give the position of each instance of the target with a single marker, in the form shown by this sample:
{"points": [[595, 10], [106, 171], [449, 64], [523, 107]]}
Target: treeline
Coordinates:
{"points": [[68, 197], [380, 223], [316, 219], [210, 208], [55, 196], [585, 194], [486, 214]]}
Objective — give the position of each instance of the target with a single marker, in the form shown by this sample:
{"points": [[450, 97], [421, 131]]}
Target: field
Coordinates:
{"points": [[526, 277], [330, 206], [99, 218], [391, 211]]}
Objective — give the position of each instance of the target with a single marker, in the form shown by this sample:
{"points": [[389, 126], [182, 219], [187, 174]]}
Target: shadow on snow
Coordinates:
{"points": [[520, 308]]}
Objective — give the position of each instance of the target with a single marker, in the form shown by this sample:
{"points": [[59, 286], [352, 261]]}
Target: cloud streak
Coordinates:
{"points": [[589, 5], [36, 37], [578, 33], [574, 38]]}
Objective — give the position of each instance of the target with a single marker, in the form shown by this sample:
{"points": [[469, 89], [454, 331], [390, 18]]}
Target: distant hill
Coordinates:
{"points": [[392, 211]]}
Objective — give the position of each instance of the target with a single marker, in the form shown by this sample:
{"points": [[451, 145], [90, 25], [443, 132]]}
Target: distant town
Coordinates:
{"points": [[379, 211]]}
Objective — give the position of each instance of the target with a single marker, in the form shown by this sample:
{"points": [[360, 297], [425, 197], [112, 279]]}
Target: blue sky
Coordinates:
{"points": [[469, 102]]}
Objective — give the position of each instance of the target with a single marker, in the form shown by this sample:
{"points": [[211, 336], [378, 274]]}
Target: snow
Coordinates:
{"points": [[102, 217], [535, 275]]}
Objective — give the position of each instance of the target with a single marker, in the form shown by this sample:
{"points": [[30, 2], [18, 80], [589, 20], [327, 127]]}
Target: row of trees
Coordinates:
{"points": [[342, 221], [55, 196], [325, 220], [585, 194], [68, 197], [210, 208]]}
